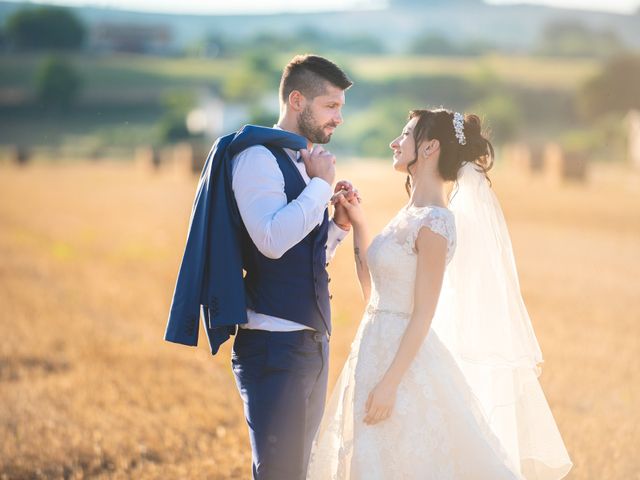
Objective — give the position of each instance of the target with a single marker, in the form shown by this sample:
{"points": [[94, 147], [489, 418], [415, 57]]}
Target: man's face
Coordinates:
{"points": [[321, 116]]}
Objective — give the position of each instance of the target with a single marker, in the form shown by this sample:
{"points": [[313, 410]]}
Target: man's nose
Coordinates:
{"points": [[338, 118]]}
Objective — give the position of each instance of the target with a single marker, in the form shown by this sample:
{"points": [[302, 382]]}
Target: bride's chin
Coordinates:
{"points": [[399, 167]]}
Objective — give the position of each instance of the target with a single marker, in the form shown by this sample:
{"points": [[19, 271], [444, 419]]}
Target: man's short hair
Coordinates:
{"points": [[309, 75]]}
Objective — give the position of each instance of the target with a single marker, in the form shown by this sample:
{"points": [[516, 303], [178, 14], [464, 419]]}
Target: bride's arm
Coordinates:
{"points": [[432, 251], [361, 239], [361, 242]]}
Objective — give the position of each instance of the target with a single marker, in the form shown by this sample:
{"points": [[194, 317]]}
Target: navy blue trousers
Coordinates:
{"points": [[282, 379]]}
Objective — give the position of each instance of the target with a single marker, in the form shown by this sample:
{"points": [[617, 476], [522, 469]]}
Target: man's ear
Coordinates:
{"points": [[297, 101]]}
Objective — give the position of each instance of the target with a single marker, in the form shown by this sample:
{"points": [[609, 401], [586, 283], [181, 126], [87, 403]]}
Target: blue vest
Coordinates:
{"points": [[295, 286]]}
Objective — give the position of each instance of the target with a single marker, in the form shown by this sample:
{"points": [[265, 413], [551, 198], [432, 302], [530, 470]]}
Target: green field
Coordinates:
{"points": [[113, 73], [121, 98], [533, 72]]}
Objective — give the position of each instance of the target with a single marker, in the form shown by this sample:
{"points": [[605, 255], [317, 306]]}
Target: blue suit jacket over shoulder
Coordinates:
{"points": [[210, 276]]}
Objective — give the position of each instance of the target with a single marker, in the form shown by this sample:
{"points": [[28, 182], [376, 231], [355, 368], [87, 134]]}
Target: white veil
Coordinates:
{"points": [[482, 319]]}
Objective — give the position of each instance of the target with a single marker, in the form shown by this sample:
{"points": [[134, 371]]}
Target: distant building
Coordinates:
{"points": [[131, 38], [213, 117]]}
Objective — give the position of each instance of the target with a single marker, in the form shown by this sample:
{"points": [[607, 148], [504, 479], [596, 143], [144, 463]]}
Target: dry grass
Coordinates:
{"points": [[525, 71], [88, 257]]}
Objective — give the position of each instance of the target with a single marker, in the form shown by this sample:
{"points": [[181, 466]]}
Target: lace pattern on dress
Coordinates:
{"points": [[406, 227]]}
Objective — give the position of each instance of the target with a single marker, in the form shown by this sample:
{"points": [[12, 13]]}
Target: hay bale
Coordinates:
{"points": [[147, 158], [200, 152], [189, 157], [552, 163], [633, 138], [19, 154], [181, 154], [561, 166], [574, 166], [536, 158], [528, 159], [517, 157]]}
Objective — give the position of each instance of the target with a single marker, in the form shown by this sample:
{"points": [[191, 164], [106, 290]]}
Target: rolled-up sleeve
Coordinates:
{"points": [[273, 224]]}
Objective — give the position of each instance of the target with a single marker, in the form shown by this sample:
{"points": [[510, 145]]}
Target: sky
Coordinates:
{"points": [[272, 6]]}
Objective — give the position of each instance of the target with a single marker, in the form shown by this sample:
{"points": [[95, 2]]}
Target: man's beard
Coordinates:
{"points": [[309, 128]]}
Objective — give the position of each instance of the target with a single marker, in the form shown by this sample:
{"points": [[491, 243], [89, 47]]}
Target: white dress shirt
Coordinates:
{"points": [[273, 224]]}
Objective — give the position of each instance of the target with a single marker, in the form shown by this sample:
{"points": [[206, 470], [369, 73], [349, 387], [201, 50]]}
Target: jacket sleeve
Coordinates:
{"points": [[184, 316]]}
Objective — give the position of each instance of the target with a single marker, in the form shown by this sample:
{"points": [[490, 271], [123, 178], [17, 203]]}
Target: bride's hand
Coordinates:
{"points": [[340, 215], [380, 402]]}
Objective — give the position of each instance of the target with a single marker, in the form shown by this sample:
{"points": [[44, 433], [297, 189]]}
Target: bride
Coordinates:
{"points": [[441, 381]]}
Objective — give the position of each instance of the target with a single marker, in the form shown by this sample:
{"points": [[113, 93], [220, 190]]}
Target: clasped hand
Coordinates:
{"points": [[346, 201]]}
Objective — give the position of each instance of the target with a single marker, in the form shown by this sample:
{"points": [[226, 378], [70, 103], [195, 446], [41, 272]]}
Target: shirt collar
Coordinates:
{"points": [[293, 154]]}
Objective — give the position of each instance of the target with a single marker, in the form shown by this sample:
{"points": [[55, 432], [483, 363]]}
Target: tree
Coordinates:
{"points": [[370, 131], [433, 44], [256, 75], [438, 44], [615, 89], [57, 84], [575, 39], [173, 124], [45, 28], [502, 114]]}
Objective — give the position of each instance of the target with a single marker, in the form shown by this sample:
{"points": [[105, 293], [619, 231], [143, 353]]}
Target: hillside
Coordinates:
{"points": [[515, 27]]}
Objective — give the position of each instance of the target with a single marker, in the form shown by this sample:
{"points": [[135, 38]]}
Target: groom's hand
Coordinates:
{"points": [[345, 188], [319, 163]]}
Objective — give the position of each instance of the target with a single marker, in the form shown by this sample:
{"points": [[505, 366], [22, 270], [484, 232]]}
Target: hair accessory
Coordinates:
{"points": [[458, 126]]}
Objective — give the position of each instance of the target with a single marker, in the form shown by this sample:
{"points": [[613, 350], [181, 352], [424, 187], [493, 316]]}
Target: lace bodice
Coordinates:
{"points": [[392, 256]]}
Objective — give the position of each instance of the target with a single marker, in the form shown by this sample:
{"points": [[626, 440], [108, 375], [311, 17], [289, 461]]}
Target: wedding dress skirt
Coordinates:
{"points": [[437, 429]]}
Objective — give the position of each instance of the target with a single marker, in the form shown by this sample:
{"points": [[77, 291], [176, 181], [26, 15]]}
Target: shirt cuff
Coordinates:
{"points": [[320, 190], [335, 235]]}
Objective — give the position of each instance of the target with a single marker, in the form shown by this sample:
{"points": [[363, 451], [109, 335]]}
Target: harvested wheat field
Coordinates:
{"points": [[88, 258]]}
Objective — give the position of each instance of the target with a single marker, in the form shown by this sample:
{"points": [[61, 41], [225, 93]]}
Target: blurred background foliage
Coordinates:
{"points": [[67, 77]]}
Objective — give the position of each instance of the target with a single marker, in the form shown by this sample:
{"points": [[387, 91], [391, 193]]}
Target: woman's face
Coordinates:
{"points": [[404, 147]]}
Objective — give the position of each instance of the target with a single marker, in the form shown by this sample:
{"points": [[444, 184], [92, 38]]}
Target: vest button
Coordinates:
{"points": [[329, 280], [330, 297]]}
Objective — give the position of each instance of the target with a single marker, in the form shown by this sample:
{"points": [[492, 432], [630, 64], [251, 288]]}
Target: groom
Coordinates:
{"points": [[278, 187]]}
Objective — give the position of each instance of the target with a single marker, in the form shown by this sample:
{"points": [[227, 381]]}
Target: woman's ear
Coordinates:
{"points": [[430, 147]]}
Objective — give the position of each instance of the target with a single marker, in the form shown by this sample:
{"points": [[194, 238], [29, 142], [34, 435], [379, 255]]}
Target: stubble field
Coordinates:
{"points": [[88, 258]]}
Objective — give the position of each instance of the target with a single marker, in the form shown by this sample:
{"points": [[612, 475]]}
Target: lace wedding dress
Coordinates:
{"points": [[437, 429]]}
